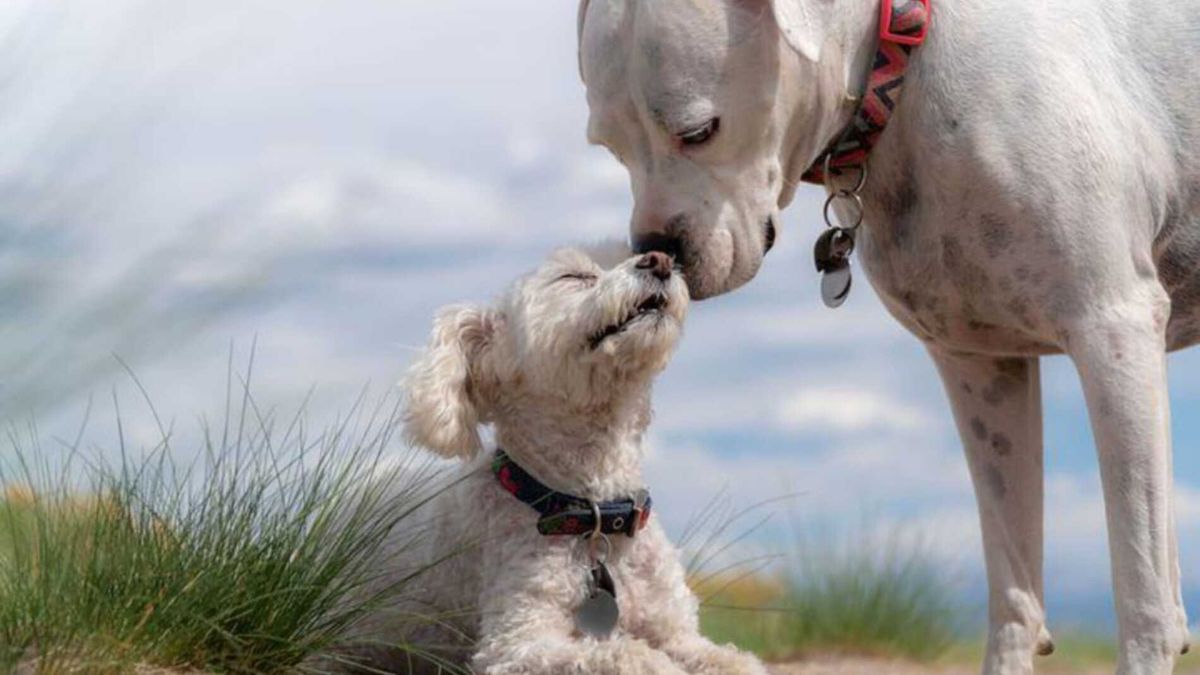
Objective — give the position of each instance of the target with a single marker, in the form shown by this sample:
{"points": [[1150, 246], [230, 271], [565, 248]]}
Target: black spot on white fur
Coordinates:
{"points": [[995, 481], [1001, 444], [979, 428], [996, 235]]}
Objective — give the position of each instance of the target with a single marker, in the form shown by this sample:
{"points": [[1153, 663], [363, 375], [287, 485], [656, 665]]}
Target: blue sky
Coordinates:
{"points": [[179, 176]]}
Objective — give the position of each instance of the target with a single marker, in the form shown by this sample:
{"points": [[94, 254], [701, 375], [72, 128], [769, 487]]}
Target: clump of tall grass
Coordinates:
{"points": [[864, 594], [252, 559]]}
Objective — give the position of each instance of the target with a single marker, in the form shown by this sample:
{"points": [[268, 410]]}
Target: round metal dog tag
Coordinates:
{"points": [[835, 286], [598, 614]]}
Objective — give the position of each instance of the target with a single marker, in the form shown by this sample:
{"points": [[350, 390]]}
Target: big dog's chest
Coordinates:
{"points": [[961, 274], [947, 294]]}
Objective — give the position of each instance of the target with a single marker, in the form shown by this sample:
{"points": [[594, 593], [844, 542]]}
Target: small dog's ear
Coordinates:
{"points": [[446, 389], [802, 25]]}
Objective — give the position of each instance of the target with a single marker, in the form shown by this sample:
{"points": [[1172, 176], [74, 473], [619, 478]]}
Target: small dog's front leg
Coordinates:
{"points": [[700, 656], [523, 653], [527, 625], [666, 612]]}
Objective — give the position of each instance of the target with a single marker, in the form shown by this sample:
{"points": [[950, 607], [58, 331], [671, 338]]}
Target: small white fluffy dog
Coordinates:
{"points": [[562, 368]]}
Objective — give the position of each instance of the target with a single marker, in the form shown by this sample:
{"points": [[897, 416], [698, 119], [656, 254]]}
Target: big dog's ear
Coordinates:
{"points": [[802, 25], [583, 8], [446, 390]]}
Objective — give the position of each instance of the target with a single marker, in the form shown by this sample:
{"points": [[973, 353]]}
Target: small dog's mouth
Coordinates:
{"points": [[653, 305]]}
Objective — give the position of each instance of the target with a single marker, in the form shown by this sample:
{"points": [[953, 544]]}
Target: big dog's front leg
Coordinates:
{"points": [[997, 405], [1120, 355]]}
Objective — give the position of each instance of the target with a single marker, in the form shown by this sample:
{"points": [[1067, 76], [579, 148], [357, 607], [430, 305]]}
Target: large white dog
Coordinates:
{"points": [[1037, 192]]}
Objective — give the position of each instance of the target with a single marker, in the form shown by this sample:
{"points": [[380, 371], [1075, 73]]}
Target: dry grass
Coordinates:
{"points": [[251, 561]]}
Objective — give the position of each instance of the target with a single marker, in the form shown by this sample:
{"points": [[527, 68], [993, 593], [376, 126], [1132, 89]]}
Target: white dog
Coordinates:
{"points": [[562, 368], [1037, 192]]}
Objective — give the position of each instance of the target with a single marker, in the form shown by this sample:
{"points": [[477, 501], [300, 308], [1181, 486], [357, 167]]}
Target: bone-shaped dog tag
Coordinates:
{"points": [[832, 257], [598, 614]]}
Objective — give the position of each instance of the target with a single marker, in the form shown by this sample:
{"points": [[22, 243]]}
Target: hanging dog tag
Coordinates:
{"points": [[835, 286], [832, 257], [598, 614], [833, 248]]}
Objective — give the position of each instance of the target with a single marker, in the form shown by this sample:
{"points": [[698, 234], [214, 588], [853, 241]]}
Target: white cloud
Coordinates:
{"points": [[833, 484], [847, 410], [384, 202]]}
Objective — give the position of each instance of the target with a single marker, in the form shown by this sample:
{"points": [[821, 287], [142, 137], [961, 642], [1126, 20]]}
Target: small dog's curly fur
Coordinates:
{"points": [[562, 368]]}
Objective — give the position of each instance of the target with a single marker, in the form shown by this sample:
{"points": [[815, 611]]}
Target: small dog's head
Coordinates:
{"points": [[587, 328]]}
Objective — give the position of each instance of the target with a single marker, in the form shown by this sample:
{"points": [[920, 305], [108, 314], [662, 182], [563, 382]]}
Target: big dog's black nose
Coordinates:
{"points": [[658, 264], [657, 241]]}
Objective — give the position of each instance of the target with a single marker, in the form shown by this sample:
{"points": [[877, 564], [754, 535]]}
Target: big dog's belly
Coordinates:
{"points": [[993, 288]]}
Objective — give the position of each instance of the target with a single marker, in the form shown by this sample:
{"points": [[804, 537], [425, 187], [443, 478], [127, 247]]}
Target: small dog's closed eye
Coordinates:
{"points": [[557, 564]]}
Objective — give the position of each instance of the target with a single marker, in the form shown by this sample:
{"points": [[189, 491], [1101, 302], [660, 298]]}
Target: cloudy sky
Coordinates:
{"points": [[183, 177]]}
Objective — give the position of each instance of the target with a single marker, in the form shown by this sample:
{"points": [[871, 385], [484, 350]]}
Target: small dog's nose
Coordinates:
{"points": [[658, 263], [656, 241]]}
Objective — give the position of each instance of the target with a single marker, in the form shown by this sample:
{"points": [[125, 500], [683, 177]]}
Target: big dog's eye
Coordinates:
{"points": [[701, 134]]}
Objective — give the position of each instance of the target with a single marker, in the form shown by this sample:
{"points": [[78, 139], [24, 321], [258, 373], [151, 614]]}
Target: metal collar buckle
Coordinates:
{"points": [[635, 518]]}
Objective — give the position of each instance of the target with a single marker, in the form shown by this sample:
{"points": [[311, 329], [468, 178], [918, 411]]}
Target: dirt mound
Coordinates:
{"points": [[855, 665]]}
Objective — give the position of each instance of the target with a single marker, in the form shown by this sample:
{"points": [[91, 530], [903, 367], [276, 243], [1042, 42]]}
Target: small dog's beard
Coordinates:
{"points": [[644, 349], [614, 371]]}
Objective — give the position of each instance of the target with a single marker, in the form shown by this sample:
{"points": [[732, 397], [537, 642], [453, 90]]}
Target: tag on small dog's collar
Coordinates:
{"points": [[598, 615]]}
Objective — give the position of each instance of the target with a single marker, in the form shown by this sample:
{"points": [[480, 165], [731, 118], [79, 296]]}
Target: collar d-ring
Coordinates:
{"points": [[595, 515], [592, 548], [828, 172]]}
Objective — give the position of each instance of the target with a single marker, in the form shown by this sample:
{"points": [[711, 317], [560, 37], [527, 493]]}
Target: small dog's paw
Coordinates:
{"points": [[733, 662], [631, 657], [713, 659]]}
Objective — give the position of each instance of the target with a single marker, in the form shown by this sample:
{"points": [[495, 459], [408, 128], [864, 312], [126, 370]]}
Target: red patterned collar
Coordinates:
{"points": [[902, 26]]}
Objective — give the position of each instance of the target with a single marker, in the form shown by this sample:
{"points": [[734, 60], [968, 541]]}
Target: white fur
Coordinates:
{"points": [[572, 414], [1036, 193]]}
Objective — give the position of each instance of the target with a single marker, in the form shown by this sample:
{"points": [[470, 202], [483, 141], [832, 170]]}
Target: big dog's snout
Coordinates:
{"points": [[668, 244]]}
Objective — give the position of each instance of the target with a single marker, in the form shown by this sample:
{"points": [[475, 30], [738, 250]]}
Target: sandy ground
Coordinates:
{"points": [[817, 665], [844, 665]]}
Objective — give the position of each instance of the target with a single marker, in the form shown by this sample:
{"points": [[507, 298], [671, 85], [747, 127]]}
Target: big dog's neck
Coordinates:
{"points": [[826, 92], [597, 455], [857, 38]]}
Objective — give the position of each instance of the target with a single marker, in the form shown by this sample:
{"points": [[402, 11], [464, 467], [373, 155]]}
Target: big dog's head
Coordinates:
{"points": [[715, 107]]}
